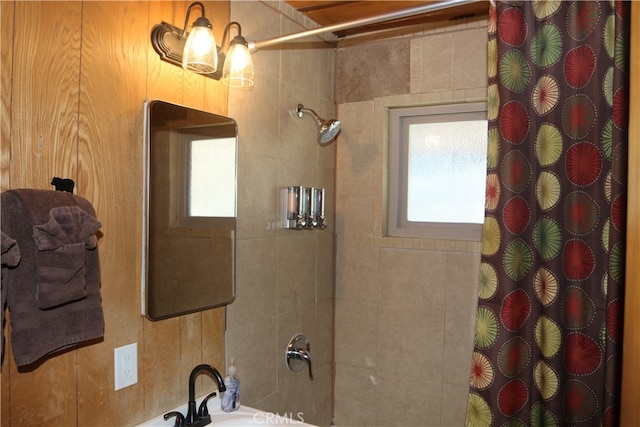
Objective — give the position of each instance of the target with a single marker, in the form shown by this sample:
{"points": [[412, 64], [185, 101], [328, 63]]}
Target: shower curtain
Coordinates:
{"points": [[548, 325]]}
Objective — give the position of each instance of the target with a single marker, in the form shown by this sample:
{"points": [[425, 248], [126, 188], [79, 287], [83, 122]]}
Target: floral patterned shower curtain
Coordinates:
{"points": [[548, 326]]}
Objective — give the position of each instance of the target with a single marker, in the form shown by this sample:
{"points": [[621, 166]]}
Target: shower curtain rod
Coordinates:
{"points": [[253, 46]]}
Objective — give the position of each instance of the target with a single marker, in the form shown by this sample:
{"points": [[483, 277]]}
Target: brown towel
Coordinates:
{"points": [[10, 251], [61, 256], [35, 332], [10, 256]]}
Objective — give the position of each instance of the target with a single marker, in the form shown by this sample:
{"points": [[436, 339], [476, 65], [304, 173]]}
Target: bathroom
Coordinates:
{"points": [[78, 113]]}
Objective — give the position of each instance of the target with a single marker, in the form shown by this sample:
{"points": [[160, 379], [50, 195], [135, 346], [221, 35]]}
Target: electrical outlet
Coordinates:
{"points": [[125, 361]]}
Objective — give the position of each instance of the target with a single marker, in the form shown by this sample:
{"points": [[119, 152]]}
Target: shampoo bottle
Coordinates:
{"points": [[231, 398]]}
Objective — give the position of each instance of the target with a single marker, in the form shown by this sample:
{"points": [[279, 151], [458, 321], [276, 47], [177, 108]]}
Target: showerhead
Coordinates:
{"points": [[327, 129]]}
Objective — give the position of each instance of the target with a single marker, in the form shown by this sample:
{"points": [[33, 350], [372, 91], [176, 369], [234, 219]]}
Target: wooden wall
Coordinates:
{"points": [[74, 77]]}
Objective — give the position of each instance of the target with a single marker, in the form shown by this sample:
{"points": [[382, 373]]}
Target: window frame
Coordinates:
{"points": [[397, 223]]}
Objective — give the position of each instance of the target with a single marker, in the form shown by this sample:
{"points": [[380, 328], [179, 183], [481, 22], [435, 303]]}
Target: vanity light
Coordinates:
{"points": [[238, 65], [200, 53], [197, 52]]}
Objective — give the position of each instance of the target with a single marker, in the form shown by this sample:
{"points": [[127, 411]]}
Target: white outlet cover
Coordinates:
{"points": [[125, 365]]}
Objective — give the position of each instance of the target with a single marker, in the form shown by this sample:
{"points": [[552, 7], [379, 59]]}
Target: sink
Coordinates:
{"points": [[243, 417]]}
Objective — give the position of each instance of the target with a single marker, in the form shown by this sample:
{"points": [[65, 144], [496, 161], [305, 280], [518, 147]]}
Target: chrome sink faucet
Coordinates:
{"points": [[201, 417]]}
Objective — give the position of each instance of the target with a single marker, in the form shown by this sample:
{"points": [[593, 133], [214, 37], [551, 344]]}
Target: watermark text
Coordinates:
{"points": [[269, 418]]}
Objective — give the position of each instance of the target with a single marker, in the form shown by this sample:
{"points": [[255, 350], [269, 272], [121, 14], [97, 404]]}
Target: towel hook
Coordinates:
{"points": [[63, 184]]}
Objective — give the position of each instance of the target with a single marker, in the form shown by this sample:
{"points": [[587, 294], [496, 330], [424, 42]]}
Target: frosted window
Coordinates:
{"points": [[437, 171], [211, 177], [446, 172]]}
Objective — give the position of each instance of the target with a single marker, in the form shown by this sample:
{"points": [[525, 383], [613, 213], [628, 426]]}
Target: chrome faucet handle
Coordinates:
{"points": [[298, 354], [305, 356]]}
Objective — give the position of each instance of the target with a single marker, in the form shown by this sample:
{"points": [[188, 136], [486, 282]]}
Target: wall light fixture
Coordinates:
{"points": [[238, 66], [199, 54], [197, 51]]}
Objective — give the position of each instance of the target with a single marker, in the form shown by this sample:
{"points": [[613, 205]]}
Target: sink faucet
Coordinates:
{"points": [[201, 417]]}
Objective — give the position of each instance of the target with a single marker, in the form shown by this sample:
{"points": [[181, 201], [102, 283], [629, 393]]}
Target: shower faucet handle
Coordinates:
{"points": [[298, 354]]}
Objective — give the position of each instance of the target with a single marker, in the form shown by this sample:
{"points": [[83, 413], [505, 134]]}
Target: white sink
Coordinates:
{"points": [[243, 417]]}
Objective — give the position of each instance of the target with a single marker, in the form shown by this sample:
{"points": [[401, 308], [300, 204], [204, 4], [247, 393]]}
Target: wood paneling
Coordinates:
{"points": [[44, 109], [114, 46], [43, 144], [6, 59], [81, 72]]}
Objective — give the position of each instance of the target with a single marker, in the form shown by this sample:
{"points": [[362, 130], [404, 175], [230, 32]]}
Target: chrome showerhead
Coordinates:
{"points": [[327, 129]]}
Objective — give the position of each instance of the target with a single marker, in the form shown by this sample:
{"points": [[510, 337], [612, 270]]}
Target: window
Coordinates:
{"points": [[437, 171]]}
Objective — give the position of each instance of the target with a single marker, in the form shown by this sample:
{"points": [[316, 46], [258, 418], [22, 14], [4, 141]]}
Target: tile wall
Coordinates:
{"points": [[405, 308], [284, 277]]}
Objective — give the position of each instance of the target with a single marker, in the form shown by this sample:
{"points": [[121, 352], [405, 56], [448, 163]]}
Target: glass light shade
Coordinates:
{"points": [[238, 66], [200, 54]]}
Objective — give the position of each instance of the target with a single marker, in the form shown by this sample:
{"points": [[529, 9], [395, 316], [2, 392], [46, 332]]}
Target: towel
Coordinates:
{"points": [[10, 257], [60, 260], [10, 251], [51, 306]]}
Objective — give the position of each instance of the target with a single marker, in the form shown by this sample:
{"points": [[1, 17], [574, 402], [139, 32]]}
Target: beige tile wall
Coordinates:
{"points": [[284, 277], [405, 308]]}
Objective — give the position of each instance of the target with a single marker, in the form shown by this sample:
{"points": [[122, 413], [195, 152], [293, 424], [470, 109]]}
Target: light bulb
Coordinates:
{"points": [[200, 54], [238, 66]]}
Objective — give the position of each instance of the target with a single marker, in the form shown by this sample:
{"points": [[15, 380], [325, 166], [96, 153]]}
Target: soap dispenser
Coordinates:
{"points": [[231, 398]]}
